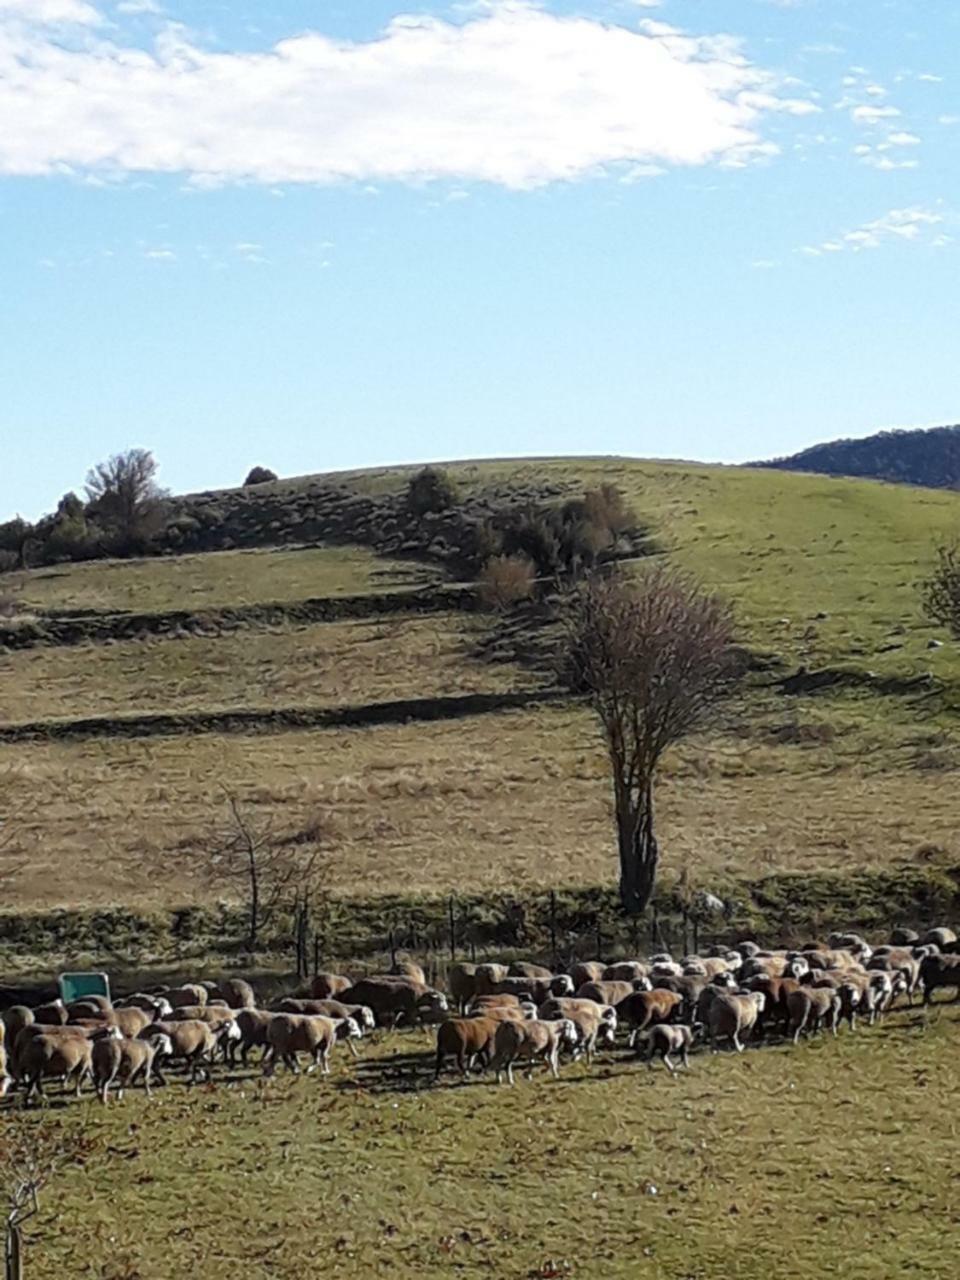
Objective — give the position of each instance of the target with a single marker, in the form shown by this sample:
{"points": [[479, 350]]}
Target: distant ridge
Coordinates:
{"points": [[927, 456]]}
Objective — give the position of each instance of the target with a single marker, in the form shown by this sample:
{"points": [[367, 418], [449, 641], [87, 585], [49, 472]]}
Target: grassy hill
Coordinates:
{"points": [[503, 792]]}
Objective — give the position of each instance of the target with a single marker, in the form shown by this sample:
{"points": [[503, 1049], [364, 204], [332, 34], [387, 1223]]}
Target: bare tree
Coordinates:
{"points": [[940, 593], [125, 498], [30, 1154], [654, 657], [273, 870]]}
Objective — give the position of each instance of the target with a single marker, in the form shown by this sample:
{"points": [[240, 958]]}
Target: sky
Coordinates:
{"points": [[320, 235]]}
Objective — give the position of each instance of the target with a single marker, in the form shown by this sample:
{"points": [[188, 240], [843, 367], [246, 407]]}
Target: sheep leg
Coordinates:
{"points": [[553, 1064], [737, 1043], [353, 1049], [438, 1067], [667, 1063], [685, 1058]]}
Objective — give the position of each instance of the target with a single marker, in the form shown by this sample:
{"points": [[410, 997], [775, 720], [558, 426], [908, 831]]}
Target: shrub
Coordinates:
{"points": [[259, 475], [506, 580], [430, 491], [940, 593]]}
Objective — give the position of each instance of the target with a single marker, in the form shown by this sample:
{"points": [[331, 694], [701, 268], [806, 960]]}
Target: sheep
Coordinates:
{"points": [[941, 937], [394, 1000], [53, 1014], [487, 975], [466, 1039], [527, 969], [733, 1015], [158, 1006], [290, 1034], [690, 987], [664, 1040], [235, 992], [60, 1056], [596, 1024], [504, 1000], [939, 971], [252, 1025], [898, 960], [904, 937], [192, 993], [124, 1061], [506, 1013], [215, 1014], [811, 1008], [643, 1008], [407, 968], [747, 949], [327, 985], [625, 971], [535, 989], [462, 982], [14, 1019], [533, 1041], [362, 1015], [89, 1007], [610, 991], [586, 971], [192, 1041]]}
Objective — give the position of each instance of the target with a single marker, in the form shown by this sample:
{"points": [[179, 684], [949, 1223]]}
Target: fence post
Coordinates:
{"points": [[453, 929], [393, 949], [553, 927], [686, 938], [696, 935], [653, 928], [599, 939]]}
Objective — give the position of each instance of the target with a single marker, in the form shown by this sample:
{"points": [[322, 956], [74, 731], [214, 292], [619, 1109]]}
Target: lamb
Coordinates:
{"points": [[290, 1034], [466, 1039], [326, 985], [533, 1041], [811, 1008], [732, 1015], [124, 1061], [644, 1008], [394, 1000], [664, 1040]]}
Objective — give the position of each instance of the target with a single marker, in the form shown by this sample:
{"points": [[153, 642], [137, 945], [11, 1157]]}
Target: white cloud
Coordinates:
{"points": [[50, 12], [903, 139], [899, 225], [873, 115], [160, 255], [139, 6], [927, 78], [887, 164], [512, 95], [948, 119]]}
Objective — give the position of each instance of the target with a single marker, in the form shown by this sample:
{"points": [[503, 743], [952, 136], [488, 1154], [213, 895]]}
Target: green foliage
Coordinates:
{"points": [[431, 491], [259, 475]]}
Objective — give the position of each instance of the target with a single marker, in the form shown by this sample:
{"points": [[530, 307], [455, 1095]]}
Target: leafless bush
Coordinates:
{"points": [[940, 593], [506, 580]]}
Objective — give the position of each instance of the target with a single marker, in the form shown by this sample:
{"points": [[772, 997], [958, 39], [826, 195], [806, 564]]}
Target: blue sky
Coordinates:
{"points": [[324, 235]]}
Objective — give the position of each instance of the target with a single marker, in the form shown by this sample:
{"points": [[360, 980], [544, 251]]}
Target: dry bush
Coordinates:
{"points": [[940, 593], [506, 580]]}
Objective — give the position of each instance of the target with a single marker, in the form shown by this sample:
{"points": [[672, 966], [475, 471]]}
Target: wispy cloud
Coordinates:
{"points": [[160, 255], [867, 114], [51, 12], [915, 224], [513, 95]]}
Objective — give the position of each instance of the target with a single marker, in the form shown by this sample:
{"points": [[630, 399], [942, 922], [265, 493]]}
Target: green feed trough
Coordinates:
{"points": [[74, 986]]}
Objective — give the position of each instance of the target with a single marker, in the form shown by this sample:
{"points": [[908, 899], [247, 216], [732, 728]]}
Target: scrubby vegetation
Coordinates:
{"points": [[928, 457]]}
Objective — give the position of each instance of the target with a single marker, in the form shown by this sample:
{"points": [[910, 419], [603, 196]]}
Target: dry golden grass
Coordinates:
{"points": [[214, 580], [514, 801], [325, 664]]}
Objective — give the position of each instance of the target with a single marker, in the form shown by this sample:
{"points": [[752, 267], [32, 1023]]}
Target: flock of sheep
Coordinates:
{"points": [[494, 1016]]}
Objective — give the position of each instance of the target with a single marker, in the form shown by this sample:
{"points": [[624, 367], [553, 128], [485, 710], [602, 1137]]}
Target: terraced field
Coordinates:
{"points": [[467, 797]]}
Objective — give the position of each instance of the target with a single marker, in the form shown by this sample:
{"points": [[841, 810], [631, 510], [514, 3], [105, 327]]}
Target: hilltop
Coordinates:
{"points": [[339, 676], [928, 456]]}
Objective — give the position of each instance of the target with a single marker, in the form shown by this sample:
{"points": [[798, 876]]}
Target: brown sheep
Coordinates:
{"points": [[236, 993], [60, 1056], [506, 1013], [192, 993], [462, 982], [193, 1042], [900, 960], [125, 1061], [53, 1014], [596, 1024], [15, 1019], [733, 1015], [394, 1000], [156, 1005], [362, 1015], [327, 985], [506, 1000], [290, 1034], [407, 968], [487, 976], [940, 937], [534, 989], [527, 969], [252, 1024], [533, 1041], [609, 991], [89, 1007], [811, 1008], [643, 1009], [586, 971], [625, 971], [466, 1039]]}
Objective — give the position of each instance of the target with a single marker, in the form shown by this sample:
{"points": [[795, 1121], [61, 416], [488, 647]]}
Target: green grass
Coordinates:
{"points": [[836, 1158], [213, 580]]}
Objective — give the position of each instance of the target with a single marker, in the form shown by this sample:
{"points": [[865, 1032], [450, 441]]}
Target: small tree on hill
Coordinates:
{"points": [[506, 580], [940, 593], [259, 475], [125, 500], [654, 657], [15, 536], [430, 491], [30, 1155]]}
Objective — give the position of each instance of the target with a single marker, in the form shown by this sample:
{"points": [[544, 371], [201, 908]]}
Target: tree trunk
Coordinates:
{"points": [[254, 922], [639, 853], [13, 1269]]}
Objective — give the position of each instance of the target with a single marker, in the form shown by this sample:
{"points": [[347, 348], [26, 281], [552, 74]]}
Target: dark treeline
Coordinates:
{"points": [[926, 457]]}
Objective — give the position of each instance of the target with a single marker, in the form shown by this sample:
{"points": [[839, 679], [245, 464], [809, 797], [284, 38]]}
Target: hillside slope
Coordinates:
{"points": [[929, 457], [358, 701]]}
